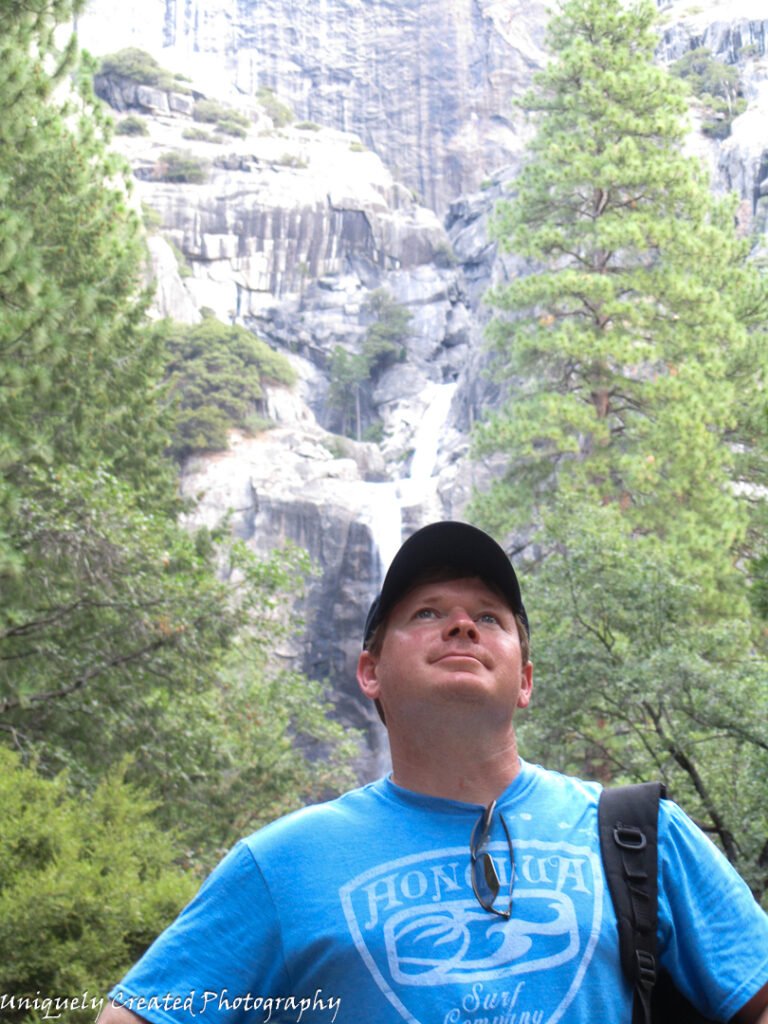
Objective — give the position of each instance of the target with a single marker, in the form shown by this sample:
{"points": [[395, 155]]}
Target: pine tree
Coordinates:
{"points": [[115, 623], [632, 343]]}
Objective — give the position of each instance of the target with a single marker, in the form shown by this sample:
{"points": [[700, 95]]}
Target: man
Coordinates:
{"points": [[466, 888]]}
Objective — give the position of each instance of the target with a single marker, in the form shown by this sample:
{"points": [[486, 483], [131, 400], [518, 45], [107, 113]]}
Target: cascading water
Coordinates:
{"points": [[426, 440], [387, 500]]}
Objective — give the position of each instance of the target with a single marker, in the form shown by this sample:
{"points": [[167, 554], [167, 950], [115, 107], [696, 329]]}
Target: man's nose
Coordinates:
{"points": [[460, 623]]}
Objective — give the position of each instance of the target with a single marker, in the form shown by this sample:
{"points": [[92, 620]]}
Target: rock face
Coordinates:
{"points": [[737, 34], [426, 84], [294, 228], [297, 484]]}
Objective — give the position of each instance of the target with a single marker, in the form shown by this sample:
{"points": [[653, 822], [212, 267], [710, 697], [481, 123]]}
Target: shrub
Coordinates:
{"points": [[132, 125], [279, 112], [226, 118], [85, 886], [716, 85], [195, 134], [292, 160], [181, 166], [216, 374], [385, 340], [140, 66], [150, 217], [231, 126], [350, 374], [181, 260]]}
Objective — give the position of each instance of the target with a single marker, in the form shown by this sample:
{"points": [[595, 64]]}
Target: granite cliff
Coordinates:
{"points": [[426, 84]]}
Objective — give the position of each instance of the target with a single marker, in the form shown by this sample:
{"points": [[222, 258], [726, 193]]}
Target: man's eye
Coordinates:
{"points": [[426, 613], [489, 617]]}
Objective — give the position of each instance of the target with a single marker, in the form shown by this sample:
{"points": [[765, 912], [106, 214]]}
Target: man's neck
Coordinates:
{"points": [[460, 771]]}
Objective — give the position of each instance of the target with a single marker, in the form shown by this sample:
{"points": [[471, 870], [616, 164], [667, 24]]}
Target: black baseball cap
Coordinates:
{"points": [[451, 545]]}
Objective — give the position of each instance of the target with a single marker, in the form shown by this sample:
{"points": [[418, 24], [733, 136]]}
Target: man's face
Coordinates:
{"points": [[448, 644]]}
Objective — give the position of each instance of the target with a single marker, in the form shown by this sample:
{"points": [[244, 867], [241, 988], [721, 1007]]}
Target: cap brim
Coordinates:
{"points": [[446, 545]]}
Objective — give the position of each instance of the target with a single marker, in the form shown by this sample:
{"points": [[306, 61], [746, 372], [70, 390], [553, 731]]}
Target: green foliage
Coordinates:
{"points": [[131, 125], [274, 747], [70, 263], [85, 886], [279, 112], [185, 270], [385, 340], [383, 344], [200, 135], [635, 351], [347, 373], [150, 218], [215, 375], [292, 160], [227, 120], [633, 683], [115, 601], [140, 66], [117, 625], [181, 167], [716, 85]]}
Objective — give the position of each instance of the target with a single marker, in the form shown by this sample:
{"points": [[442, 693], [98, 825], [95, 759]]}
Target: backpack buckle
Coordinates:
{"points": [[645, 965], [629, 837]]}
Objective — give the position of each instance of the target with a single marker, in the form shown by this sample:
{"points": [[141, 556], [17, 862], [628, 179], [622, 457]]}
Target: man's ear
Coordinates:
{"points": [[366, 675], [526, 685]]}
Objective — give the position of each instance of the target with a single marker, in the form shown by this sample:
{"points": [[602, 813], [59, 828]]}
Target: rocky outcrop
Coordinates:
{"points": [[426, 84], [737, 34], [277, 211]]}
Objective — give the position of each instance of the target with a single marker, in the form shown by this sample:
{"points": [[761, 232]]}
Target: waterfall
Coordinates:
{"points": [[420, 487], [426, 440], [384, 515], [386, 501]]}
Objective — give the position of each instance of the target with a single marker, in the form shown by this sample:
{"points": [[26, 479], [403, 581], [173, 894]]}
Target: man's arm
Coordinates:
{"points": [[113, 1013], [753, 1012]]}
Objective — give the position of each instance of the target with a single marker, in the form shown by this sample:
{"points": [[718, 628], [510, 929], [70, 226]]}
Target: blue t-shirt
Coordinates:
{"points": [[362, 909]]}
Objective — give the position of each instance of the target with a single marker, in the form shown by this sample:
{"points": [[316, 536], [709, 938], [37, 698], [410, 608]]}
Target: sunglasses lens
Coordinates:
{"points": [[486, 880]]}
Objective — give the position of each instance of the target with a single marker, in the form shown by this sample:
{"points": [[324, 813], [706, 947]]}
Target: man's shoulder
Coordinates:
{"points": [[316, 822], [536, 782]]}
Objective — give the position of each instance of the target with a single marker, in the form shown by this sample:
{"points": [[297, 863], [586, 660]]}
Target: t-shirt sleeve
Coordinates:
{"points": [[713, 934], [221, 957]]}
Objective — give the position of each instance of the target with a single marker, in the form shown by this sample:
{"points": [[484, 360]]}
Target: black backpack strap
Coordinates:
{"points": [[628, 822]]}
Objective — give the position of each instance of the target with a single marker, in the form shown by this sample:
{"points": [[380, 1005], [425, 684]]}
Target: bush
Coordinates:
{"points": [[385, 340], [292, 160], [140, 66], [132, 125], [185, 270], [195, 134], [716, 85], [216, 374], [85, 886], [279, 112], [150, 217], [226, 118], [231, 126], [181, 166]]}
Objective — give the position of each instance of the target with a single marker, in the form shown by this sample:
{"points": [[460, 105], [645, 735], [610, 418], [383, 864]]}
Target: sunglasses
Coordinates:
{"points": [[486, 884]]}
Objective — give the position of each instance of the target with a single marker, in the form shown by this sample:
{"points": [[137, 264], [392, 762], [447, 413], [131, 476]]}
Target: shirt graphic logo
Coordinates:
{"points": [[416, 924]]}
